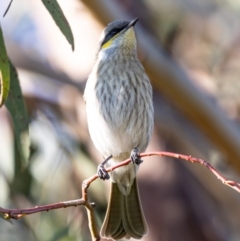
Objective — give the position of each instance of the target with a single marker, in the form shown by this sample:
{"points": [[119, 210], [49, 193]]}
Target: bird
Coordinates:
{"points": [[119, 108]]}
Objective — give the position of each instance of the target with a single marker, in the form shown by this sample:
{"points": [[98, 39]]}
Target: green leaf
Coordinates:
{"points": [[59, 18], [4, 71], [16, 106]]}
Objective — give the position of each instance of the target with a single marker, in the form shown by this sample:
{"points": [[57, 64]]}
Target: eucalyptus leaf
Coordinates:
{"points": [[57, 14], [4, 71], [16, 106]]}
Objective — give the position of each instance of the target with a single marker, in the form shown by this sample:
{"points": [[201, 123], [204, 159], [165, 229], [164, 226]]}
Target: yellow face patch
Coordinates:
{"points": [[130, 35], [109, 42]]}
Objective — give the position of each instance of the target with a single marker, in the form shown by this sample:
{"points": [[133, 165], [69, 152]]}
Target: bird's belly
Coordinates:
{"points": [[113, 137]]}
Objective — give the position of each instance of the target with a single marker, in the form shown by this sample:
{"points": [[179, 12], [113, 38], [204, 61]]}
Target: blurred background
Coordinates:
{"points": [[191, 52]]}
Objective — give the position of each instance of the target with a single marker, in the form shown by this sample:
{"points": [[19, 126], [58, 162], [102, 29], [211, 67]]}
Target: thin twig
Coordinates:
{"points": [[18, 213], [9, 5], [230, 183]]}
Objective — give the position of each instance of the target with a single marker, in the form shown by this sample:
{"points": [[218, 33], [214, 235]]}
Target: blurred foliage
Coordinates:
{"points": [[16, 106]]}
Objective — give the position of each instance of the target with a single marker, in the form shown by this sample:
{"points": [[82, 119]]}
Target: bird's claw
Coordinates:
{"points": [[102, 173], [135, 157]]}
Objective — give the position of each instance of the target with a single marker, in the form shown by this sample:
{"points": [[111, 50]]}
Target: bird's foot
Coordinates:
{"points": [[135, 157], [101, 171]]}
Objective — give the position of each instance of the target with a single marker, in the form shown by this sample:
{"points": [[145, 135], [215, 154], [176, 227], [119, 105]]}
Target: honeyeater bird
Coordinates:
{"points": [[119, 108]]}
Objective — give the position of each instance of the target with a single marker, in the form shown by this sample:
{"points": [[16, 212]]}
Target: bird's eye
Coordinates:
{"points": [[114, 32]]}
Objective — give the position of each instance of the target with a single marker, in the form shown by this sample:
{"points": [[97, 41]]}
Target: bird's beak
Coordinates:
{"points": [[131, 24]]}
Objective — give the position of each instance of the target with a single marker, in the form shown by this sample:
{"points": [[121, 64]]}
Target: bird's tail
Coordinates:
{"points": [[124, 217]]}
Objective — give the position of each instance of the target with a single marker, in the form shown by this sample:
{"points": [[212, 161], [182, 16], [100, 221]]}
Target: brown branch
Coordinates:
{"points": [[224, 180], [18, 213]]}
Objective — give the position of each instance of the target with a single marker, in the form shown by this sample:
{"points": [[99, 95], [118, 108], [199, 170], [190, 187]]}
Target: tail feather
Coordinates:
{"points": [[134, 216], [119, 234], [113, 223], [124, 216]]}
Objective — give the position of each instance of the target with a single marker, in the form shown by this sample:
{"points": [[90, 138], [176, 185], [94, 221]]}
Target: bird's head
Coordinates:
{"points": [[119, 35]]}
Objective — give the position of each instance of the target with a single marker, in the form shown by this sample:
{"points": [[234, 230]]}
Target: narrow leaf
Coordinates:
{"points": [[16, 106], [9, 5], [57, 14], [4, 71]]}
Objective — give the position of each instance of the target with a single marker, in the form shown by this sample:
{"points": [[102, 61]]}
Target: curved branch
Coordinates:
{"points": [[230, 183]]}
